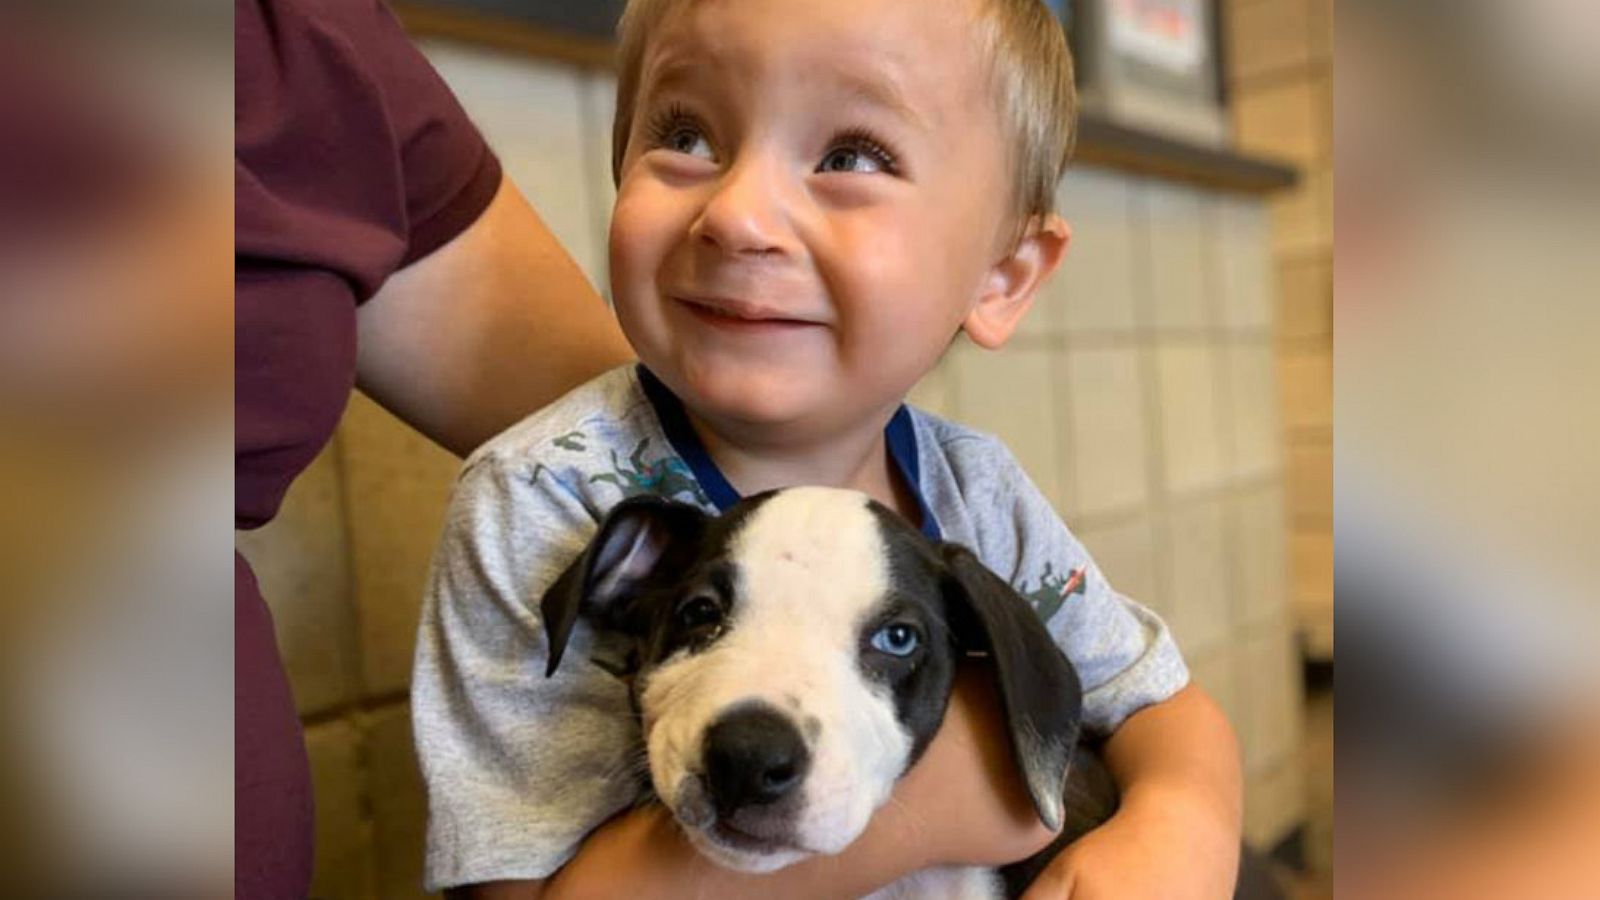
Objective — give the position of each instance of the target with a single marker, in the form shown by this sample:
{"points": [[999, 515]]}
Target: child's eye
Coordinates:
{"points": [[688, 140], [679, 132], [848, 159], [857, 152]]}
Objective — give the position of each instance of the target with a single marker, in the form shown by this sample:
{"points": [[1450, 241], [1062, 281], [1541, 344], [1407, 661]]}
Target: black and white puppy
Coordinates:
{"points": [[793, 658]]}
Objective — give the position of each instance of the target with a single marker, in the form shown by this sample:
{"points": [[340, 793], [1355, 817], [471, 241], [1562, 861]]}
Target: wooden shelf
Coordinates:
{"points": [[503, 32], [1113, 146], [1101, 142]]}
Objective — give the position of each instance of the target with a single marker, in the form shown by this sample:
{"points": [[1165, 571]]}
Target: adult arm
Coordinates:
{"points": [[487, 328]]}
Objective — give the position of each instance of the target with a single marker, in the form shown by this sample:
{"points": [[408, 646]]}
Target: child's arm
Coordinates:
{"points": [[1176, 834], [962, 803]]}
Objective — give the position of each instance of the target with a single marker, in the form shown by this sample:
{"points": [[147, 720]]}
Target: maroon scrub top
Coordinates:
{"points": [[352, 159]]}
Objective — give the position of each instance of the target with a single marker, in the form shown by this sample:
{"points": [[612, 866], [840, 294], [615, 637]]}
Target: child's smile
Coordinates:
{"points": [[742, 318]]}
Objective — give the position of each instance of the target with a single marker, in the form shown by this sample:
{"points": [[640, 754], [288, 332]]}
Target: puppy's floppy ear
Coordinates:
{"points": [[1038, 686], [637, 539]]}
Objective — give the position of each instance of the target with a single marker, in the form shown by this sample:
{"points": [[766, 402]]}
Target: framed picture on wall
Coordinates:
{"points": [[1151, 64]]}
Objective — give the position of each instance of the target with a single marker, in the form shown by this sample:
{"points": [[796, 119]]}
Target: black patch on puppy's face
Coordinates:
{"points": [[690, 606], [679, 589], [692, 615], [920, 682], [963, 606]]}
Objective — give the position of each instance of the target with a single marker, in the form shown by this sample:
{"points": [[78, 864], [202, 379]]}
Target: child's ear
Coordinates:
{"points": [[1014, 281]]}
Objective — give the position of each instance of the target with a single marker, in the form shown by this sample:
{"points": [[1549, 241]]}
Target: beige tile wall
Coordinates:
{"points": [[1158, 433], [1280, 73], [1141, 397]]}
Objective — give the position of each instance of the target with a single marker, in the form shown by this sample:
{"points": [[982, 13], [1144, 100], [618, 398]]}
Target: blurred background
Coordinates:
{"points": [[1171, 393]]}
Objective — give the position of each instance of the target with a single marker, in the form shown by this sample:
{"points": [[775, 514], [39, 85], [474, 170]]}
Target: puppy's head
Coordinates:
{"points": [[794, 657]]}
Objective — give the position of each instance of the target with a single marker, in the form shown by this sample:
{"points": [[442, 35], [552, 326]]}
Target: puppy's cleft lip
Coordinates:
{"points": [[758, 833], [736, 838], [693, 807], [695, 811]]}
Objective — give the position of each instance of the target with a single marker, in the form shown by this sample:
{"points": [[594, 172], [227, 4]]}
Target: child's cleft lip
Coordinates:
{"points": [[736, 314]]}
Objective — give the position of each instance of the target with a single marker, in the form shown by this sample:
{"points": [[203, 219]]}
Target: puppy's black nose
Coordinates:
{"points": [[753, 755]]}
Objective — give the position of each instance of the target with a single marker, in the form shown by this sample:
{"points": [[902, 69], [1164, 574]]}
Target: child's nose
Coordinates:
{"points": [[746, 213]]}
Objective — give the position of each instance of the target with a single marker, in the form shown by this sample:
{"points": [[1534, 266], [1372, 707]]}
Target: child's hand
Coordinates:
{"points": [[1125, 859]]}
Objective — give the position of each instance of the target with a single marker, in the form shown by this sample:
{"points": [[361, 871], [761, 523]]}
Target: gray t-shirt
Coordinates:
{"points": [[520, 768]]}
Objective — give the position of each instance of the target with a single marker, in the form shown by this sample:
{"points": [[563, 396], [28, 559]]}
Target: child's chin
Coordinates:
{"points": [[762, 401]]}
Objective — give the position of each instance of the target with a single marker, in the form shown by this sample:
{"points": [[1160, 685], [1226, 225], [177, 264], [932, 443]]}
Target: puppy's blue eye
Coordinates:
{"points": [[896, 639]]}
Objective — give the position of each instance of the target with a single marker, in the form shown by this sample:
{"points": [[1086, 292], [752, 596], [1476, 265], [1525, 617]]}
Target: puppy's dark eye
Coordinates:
{"points": [[896, 639], [699, 611]]}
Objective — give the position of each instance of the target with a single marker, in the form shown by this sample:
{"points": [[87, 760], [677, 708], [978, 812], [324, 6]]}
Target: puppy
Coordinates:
{"points": [[791, 659]]}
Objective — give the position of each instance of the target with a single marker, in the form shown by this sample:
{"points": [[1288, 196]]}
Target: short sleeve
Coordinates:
{"points": [[448, 171], [1125, 655], [351, 153], [519, 767]]}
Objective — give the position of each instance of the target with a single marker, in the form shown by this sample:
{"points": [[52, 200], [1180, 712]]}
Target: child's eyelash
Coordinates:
{"points": [[675, 117], [669, 120], [863, 141]]}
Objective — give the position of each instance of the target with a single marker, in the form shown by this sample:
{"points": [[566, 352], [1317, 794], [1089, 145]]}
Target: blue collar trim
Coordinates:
{"points": [[900, 434]]}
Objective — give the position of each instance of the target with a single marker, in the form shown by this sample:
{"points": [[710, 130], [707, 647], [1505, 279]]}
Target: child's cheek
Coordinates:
{"points": [[647, 222], [633, 265]]}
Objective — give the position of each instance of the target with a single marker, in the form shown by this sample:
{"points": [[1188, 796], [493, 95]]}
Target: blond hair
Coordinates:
{"points": [[1029, 65]]}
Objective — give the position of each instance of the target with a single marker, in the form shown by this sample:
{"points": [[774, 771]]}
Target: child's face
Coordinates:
{"points": [[813, 200]]}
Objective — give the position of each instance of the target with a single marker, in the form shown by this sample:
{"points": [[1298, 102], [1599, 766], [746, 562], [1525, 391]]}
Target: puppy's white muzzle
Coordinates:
{"points": [[760, 779]]}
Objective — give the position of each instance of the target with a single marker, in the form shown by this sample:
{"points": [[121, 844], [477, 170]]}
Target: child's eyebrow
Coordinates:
{"points": [[670, 71], [674, 69], [881, 92]]}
